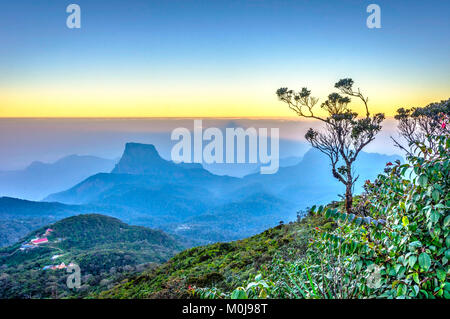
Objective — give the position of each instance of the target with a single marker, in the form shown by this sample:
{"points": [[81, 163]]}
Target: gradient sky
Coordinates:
{"points": [[216, 58]]}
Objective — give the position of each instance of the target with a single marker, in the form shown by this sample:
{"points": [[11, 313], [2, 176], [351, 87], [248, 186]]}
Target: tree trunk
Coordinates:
{"points": [[348, 198]]}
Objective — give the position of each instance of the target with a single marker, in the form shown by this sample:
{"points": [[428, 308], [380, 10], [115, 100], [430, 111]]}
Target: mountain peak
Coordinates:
{"points": [[140, 159], [132, 146]]}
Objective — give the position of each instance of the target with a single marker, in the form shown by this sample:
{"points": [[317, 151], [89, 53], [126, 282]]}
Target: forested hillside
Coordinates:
{"points": [[222, 265], [104, 248]]}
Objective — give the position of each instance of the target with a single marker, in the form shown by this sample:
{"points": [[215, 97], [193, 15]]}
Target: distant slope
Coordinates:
{"points": [[104, 248], [13, 207], [311, 182], [41, 179], [180, 198], [19, 217], [236, 220], [222, 265]]}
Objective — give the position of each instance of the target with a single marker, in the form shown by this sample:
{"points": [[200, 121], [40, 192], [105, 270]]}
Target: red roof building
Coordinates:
{"points": [[40, 241]]}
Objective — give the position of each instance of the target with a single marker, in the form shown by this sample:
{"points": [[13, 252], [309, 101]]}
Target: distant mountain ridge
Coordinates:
{"points": [[19, 217], [41, 179], [183, 198]]}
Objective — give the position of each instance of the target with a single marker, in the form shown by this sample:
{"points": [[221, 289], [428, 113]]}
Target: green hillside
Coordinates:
{"points": [[105, 249], [395, 243], [222, 265]]}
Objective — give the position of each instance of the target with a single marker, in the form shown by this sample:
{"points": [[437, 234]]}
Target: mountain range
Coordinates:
{"points": [[187, 200], [184, 205], [41, 179]]}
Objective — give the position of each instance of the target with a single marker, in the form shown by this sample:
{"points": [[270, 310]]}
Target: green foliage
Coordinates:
{"points": [[401, 250], [221, 266], [106, 249], [419, 123], [256, 289]]}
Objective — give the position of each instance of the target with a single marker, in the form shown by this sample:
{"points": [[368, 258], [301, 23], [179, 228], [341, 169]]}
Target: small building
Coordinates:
{"points": [[26, 247], [61, 266], [40, 241]]}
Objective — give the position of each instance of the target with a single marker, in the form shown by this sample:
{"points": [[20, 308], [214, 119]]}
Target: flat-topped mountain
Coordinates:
{"points": [[141, 159]]}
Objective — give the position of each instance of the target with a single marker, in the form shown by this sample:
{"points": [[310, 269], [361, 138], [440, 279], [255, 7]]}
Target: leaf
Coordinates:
{"points": [[401, 289], [351, 217], [447, 221], [435, 194], [435, 216], [239, 293], [412, 260], [441, 274], [415, 244], [416, 290], [447, 254], [416, 278], [405, 221], [424, 261], [423, 180], [263, 294]]}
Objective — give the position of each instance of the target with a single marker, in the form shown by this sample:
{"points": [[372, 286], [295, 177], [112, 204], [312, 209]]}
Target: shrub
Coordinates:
{"points": [[399, 247], [400, 250]]}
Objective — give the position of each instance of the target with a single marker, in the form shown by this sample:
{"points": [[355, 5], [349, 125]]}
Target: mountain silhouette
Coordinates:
{"points": [[142, 159], [183, 198], [41, 179]]}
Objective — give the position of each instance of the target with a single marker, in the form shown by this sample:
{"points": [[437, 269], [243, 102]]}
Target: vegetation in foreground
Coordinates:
{"points": [[394, 244]]}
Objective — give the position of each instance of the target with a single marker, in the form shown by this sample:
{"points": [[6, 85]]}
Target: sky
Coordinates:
{"points": [[216, 58]]}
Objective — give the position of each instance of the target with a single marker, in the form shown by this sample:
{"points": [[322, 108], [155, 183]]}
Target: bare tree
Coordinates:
{"points": [[416, 124], [345, 134]]}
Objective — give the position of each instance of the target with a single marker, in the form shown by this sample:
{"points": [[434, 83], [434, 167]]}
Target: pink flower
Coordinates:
{"points": [[443, 125]]}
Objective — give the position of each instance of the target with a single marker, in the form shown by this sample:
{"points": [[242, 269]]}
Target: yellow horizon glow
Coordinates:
{"points": [[104, 102]]}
